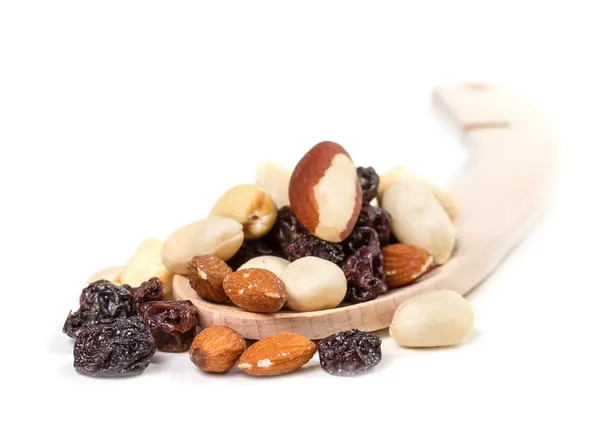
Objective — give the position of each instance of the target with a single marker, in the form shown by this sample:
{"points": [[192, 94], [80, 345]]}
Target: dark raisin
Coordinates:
{"points": [[251, 249], [369, 181], [297, 242], [287, 227], [110, 300], [101, 302], [382, 224], [366, 217], [350, 352], [172, 323], [361, 237], [148, 291], [121, 348], [80, 320], [309, 245], [378, 219], [365, 274]]}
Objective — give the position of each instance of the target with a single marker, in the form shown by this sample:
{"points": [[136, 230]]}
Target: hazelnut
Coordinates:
{"points": [[325, 193], [249, 205], [216, 349], [219, 236], [206, 274]]}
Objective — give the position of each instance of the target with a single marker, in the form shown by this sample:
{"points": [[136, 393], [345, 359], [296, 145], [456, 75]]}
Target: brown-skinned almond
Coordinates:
{"points": [[404, 263], [206, 274], [255, 290], [277, 355], [216, 349], [325, 193]]}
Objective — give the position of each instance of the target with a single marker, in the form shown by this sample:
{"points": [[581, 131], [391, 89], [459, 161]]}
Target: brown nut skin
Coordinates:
{"points": [[277, 355], [216, 349], [325, 192], [404, 263], [255, 290], [206, 274]]}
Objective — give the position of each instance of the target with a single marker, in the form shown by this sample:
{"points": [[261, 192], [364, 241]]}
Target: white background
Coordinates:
{"points": [[121, 120]]}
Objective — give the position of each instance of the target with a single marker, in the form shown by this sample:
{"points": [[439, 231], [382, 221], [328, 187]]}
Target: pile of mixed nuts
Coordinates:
{"points": [[323, 235]]}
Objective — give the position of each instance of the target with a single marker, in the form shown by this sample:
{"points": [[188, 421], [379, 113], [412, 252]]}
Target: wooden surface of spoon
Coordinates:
{"points": [[501, 191]]}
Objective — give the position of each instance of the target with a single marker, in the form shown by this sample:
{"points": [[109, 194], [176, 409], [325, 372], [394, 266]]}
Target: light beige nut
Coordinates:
{"points": [[277, 355], [218, 236], [216, 349], [146, 263], [112, 274], [314, 284], [325, 194], [206, 274], [446, 199], [275, 179], [274, 264], [419, 219], [255, 290], [404, 263], [432, 319], [249, 205]]}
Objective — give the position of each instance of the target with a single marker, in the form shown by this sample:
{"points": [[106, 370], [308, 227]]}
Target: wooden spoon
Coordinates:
{"points": [[501, 192]]}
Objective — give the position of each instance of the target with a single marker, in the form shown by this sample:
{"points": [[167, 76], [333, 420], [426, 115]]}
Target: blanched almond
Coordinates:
{"points": [[419, 219], [219, 236], [249, 205]]}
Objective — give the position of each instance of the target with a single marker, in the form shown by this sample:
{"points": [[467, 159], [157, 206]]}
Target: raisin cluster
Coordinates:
{"points": [[359, 255], [118, 328]]}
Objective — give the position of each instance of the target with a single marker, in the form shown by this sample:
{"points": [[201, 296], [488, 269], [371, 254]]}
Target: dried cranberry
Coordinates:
{"points": [[365, 274], [350, 352], [369, 181], [173, 323]]}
